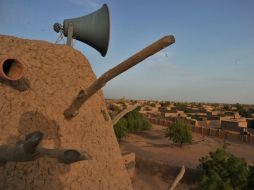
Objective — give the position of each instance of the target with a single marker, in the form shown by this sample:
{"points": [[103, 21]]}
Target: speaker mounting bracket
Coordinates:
{"points": [[70, 34]]}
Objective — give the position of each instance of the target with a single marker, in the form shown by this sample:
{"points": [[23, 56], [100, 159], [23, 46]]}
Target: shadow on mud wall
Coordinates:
{"points": [[40, 174], [20, 85]]}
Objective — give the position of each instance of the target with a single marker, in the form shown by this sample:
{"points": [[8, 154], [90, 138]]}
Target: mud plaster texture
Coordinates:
{"points": [[54, 74]]}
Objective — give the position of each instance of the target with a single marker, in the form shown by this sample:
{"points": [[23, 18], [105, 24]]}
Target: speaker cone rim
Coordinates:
{"points": [[108, 34]]}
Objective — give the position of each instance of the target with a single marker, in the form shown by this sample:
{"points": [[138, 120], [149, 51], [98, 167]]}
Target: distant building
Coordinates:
{"points": [[234, 124], [213, 113], [250, 123], [233, 108], [237, 115]]}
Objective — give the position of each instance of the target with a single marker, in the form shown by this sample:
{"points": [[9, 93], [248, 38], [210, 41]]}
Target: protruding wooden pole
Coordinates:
{"points": [[177, 179], [28, 150], [123, 113], [83, 95]]}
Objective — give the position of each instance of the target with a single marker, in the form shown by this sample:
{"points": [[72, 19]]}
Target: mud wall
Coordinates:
{"points": [[54, 74], [208, 131]]}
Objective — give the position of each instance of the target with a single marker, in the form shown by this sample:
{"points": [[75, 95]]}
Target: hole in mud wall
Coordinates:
{"points": [[12, 68], [12, 71]]}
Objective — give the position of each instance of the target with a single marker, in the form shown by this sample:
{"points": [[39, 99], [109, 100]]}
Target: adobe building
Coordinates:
{"points": [[234, 124]]}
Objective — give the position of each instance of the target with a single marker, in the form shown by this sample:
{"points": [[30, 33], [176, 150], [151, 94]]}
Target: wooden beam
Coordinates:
{"points": [[123, 113], [84, 95], [28, 150], [177, 179]]}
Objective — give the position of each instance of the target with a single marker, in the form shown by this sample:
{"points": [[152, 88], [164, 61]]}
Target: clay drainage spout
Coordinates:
{"points": [[11, 69]]}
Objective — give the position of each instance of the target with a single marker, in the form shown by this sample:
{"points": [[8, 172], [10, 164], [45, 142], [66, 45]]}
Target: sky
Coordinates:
{"points": [[212, 59]]}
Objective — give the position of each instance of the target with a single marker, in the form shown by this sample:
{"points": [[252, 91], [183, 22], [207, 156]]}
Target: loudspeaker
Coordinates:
{"points": [[92, 29]]}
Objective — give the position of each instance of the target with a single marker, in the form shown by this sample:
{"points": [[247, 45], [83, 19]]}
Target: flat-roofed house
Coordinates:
{"points": [[234, 124]]}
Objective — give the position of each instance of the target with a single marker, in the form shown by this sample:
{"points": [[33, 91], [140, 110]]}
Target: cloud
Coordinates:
{"points": [[87, 4]]}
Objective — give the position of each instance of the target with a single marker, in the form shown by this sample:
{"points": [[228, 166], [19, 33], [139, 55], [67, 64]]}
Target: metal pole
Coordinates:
{"points": [[70, 33]]}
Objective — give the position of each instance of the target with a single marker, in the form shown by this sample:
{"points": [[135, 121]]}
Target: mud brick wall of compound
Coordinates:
{"points": [[206, 131]]}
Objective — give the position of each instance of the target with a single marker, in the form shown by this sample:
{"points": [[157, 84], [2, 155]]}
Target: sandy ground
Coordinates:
{"points": [[153, 145], [146, 181]]}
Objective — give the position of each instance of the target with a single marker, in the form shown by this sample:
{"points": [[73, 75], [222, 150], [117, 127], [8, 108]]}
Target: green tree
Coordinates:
{"points": [[179, 133], [242, 111], [164, 103], [222, 170], [136, 121], [251, 178], [121, 128], [131, 122], [182, 107]]}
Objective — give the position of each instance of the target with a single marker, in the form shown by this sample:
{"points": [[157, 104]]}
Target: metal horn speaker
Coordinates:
{"points": [[92, 29]]}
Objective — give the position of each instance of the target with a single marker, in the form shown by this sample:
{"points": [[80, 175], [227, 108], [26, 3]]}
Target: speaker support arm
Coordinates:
{"points": [[70, 34], [84, 95]]}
